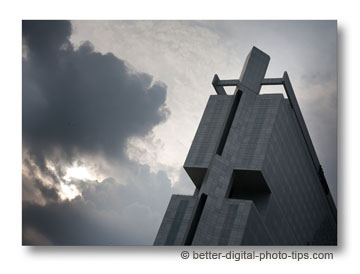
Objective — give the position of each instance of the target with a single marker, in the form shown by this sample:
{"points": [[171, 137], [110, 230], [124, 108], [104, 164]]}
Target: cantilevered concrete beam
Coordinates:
{"points": [[218, 87], [272, 81], [254, 70]]}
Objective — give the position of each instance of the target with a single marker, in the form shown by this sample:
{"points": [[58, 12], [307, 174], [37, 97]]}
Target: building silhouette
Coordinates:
{"points": [[257, 176]]}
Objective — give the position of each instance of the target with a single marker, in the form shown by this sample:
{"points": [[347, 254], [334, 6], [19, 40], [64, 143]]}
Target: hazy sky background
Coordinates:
{"points": [[110, 109]]}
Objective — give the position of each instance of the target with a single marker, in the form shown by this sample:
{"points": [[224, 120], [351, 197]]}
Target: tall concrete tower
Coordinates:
{"points": [[257, 176]]}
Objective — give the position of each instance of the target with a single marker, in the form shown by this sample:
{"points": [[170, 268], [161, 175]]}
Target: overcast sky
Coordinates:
{"points": [[110, 109]]}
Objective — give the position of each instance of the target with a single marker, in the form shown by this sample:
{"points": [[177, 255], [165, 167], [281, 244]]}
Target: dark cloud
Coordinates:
{"points": [[80, 103], [82, 100], [45, 38], [108, 213]]}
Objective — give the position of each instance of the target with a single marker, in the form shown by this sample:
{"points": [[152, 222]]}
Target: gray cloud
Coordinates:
{"points": [[108, 213], [83, 100], [79, 103]]}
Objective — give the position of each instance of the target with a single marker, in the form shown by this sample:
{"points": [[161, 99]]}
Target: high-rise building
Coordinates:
{"points": [[257, 176]]}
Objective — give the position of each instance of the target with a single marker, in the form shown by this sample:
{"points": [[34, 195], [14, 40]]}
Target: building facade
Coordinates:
{"points": [[257, 176]]}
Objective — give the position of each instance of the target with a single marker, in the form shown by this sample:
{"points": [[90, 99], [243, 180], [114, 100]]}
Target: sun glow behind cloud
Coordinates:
{"points": [[68, 191], [79, 173]]}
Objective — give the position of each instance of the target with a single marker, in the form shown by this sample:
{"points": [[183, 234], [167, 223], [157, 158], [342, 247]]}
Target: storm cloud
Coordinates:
{"points": [[107, 213], [80, 104], [80, 99]]}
